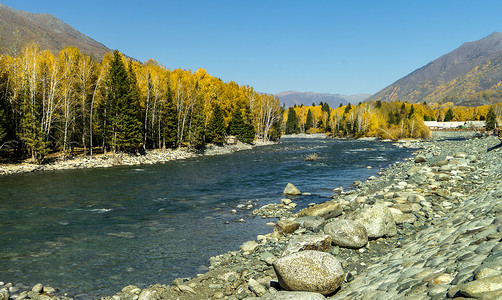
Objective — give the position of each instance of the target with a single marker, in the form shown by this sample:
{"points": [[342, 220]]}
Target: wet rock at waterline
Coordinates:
{"points": [[290, 189]]}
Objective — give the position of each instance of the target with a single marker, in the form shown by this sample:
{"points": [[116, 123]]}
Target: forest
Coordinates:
{"points": [[387, 120], [69, 101]]}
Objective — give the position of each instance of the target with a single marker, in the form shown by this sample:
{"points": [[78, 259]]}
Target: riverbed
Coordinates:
{"points": [[92, 231]]}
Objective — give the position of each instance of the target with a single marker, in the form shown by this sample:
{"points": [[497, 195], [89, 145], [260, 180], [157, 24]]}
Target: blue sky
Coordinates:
{"points": [[345, 47]]}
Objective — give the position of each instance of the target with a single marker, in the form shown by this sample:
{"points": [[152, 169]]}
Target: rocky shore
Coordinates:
{"points": [[150, 157], [426, 228]]}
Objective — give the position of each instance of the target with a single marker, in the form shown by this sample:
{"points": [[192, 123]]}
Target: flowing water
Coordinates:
{"points": [[92, 232]]}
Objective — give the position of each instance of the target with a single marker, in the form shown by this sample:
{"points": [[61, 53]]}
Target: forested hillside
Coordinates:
{"points": [[388, 120], [61, 102]]}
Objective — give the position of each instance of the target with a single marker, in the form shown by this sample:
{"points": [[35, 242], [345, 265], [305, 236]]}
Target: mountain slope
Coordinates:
{"points": [[290, 98], [19, 27], [468, 75]]}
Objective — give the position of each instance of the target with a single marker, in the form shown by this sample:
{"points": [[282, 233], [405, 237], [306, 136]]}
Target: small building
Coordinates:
{"points": [[475, 124], [443, 125]]}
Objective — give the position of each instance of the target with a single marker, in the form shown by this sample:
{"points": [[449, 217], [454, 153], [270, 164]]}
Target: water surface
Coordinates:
{"points": [[92, 232]]}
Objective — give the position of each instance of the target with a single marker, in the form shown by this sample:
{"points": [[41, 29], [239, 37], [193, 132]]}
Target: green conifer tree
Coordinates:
{"points": [[292, 122], [170, 119], [248, 132], [196, 131], [491, 120], [347, 109], [308, 121], [449, 115], [216, 128], [30, 133]]}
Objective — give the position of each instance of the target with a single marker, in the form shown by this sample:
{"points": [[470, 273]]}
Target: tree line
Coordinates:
{"points": [[389, 120], [69, 100]]}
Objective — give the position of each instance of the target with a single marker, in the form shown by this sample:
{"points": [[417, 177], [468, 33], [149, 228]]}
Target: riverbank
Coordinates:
{"points": [[444, 239], [108, 160]]}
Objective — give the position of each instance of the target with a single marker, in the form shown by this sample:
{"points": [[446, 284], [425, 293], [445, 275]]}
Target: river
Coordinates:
{"points": [[92, 232]]}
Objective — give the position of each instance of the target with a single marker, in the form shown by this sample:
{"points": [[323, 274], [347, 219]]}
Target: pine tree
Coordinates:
{"points": [[30, 133], [170, 118], [412, 111], [248, 132], [216, 128], [449, 115], [196, 131], [131, 114], [347, 109], [243, 130], [491, 120], [236, 123], [308, 121], [122, 127], [292, 122]]}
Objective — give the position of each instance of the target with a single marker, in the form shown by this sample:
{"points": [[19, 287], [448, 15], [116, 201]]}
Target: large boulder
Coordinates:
{"points": [[308, 242], [327, 210], [290, 189], [309, 271], [378, 221], [285, 295], [347, 233]]}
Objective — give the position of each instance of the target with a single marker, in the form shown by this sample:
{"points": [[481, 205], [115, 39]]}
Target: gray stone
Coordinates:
{"points": [[420, 159], [313, 223], [284, 295], [378, 221], [290, 189], [268, 258], [478, 288], [347, 233], [310, 271], [255, 287], [308, 242], [249, 246], [326, 210], [4, 294], [37, 288], [286, 226]]}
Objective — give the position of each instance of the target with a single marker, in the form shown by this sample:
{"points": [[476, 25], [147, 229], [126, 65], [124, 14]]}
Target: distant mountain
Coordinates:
{"points": [[470, 75], [19, 27], [290, 98]]}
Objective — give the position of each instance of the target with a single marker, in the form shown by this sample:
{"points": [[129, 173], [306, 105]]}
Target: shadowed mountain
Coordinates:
{"points": [[470, 75], [19, 27], [290, 98]]}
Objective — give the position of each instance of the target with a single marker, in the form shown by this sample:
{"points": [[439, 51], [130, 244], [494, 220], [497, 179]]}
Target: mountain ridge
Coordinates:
{"points": [[291, 98], [468, 75], [18, 28]]}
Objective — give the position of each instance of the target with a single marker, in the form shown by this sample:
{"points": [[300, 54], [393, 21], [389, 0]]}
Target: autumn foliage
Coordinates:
{"points": [[386, 120], [65, 101]]}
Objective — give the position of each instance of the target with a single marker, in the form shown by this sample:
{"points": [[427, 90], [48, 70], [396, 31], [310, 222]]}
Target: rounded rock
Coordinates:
{"points": [[378, 221], [347, 233], [309, 271]]}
